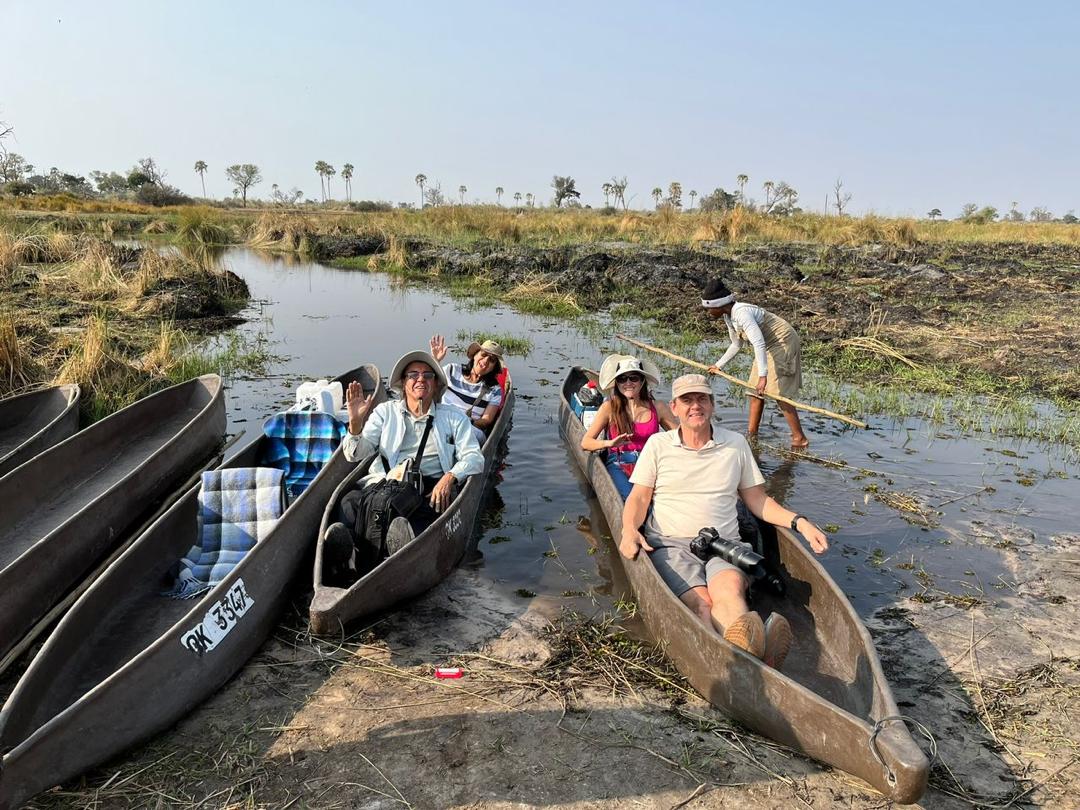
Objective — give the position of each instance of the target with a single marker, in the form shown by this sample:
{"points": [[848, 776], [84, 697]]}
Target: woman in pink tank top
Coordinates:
{"points": [[628, 417]]}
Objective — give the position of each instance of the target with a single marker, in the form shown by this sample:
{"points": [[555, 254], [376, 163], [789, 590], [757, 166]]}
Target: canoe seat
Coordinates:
{"points": [[237, 508], [299, 443]]}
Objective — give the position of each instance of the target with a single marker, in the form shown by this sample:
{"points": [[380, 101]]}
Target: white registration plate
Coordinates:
{"points": [[219, 620]]}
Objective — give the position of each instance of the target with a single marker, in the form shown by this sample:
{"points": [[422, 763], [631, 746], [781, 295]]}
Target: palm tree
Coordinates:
{"points": [[420, 180], [320, 168], [657, 193], [346, 175], [742, 180], [529, 199], [768, 185], [691, 195], [330, 172], [498, 194], [606, 188], [461, 191], [517, 198], [200, 169]]}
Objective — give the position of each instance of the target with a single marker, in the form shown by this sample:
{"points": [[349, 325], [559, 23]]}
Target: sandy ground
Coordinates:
{"points": [[363, 723]]}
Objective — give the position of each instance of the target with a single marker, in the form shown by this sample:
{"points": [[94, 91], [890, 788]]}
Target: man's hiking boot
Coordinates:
{"points": [[778, 638], [398, 535], [748, 633]]}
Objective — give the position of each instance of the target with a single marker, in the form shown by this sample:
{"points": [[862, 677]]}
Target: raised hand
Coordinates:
{"points": [[438, 347], [359, 406]]}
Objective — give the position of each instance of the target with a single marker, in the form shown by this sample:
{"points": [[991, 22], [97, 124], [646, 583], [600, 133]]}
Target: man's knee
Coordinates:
{"points": [[727, 585]]}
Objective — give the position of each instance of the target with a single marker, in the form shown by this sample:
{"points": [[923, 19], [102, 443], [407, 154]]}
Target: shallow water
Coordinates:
{"points": [[322, 321]]}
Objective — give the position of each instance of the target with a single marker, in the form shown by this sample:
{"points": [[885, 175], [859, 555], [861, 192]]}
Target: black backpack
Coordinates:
{"points": [[370, 511]]}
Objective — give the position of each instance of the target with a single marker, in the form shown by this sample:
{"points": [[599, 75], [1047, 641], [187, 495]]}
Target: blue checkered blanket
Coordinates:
{"points": [[299, 443], [237, 508]]}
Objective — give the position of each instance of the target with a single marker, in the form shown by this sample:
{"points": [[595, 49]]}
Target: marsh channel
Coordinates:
{"points": [[903, 500]]}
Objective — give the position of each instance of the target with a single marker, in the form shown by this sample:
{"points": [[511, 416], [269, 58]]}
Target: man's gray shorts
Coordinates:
{"points": [[680, 568]]}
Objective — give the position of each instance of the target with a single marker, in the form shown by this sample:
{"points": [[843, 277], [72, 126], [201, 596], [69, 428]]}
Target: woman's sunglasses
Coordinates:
{"points": [[629, 378]]}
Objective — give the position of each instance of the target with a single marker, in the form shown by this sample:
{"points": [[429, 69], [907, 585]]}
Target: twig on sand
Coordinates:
{"points": [[702, 788], [386, 779]]}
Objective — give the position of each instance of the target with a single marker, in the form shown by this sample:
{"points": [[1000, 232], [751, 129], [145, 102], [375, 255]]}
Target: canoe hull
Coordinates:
{"points": [[792, 710], [50, 542], [32, 423], [155, 684], [420, 565]]}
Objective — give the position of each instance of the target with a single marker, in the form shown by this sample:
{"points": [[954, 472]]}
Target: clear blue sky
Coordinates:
{"points": [[916, 105]]}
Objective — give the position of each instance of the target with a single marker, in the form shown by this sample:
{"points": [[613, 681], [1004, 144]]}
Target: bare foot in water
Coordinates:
{"points": [[798, 444]]}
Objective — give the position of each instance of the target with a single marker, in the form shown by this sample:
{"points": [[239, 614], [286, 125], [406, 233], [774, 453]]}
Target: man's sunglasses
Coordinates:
{"points": [[629, 378], [420, 375]]}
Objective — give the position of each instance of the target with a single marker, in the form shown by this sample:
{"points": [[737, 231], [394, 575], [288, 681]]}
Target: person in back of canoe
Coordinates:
{"points": [[400, 429], [692, 477], [473, 387], [628, 416], [777, 366]]}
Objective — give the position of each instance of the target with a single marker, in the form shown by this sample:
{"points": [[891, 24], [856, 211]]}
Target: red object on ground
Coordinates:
{"points": [[448, 672]]}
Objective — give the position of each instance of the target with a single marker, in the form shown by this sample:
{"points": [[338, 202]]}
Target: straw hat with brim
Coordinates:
{"points": [[616, 364], [413, 357], [488, 347]]}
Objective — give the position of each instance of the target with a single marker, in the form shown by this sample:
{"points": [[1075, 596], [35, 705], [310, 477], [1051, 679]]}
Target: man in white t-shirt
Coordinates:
{"points": [[693, 477]]}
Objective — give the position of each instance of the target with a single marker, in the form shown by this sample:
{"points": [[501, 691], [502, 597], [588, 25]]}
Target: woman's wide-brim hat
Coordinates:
{"points": [[413, 357], [488, 347], [616, 364]]}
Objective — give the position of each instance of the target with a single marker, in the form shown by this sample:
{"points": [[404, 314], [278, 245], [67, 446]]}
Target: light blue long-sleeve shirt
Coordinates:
{"points": [[385, 432]]}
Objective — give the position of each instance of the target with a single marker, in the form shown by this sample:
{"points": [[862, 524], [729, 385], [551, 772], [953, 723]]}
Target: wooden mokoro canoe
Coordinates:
{"points": [[830, 702], [425, 562], [31, 423], [66, 507], [125, 662]]}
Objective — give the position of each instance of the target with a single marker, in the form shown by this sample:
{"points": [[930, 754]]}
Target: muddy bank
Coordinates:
{"points": [[988, 318]]}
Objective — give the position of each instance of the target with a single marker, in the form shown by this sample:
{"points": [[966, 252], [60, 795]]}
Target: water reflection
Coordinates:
{"points": [[323, 320]]}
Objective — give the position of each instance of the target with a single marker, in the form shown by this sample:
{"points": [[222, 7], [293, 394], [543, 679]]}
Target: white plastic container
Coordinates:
{"points": [[321, 395]]}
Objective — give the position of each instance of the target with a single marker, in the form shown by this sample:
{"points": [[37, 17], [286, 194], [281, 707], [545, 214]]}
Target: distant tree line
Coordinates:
{"points": [[145, 183]]}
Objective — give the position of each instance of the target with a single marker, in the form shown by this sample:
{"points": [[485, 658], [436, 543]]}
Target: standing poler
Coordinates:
{"points": [[777, 366]]}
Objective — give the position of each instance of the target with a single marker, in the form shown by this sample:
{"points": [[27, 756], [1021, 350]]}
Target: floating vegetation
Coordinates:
{"points": [[512, 344]]}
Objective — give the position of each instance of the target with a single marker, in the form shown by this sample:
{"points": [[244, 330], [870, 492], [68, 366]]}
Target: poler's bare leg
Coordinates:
{"points": [[757, 408], [798, 438]]}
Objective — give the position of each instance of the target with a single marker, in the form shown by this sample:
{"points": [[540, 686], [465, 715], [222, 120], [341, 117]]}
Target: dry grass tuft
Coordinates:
{"points": [[397, 257], [539, 294], [15, 362], [277, 231]]}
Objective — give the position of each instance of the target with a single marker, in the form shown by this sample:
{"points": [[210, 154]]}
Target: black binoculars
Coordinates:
{"points": [[709, 543]]}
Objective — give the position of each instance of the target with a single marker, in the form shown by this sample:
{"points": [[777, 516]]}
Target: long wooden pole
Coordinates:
{"points": [[736, 381]]}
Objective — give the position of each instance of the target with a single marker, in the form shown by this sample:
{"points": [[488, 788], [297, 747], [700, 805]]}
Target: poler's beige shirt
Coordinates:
{"points": [[693, 489]]}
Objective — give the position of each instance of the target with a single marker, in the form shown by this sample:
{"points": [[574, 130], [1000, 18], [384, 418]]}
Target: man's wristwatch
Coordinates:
{"points": [[795, 521]]}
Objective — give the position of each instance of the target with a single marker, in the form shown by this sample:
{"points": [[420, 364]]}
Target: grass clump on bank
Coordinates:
{"points": [[120, 321]]}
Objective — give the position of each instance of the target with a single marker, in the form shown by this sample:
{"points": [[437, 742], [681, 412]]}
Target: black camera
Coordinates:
{"points": [[709, 543]]}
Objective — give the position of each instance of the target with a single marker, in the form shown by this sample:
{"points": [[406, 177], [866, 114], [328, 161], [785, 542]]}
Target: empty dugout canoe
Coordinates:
{"points": [[67, 507], [31, 423]]}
